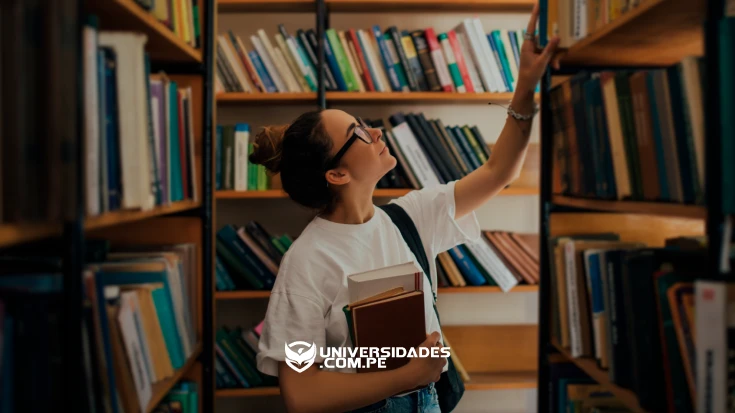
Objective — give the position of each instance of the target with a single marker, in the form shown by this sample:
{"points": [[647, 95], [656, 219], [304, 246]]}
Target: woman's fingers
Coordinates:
{"points": [[549, 50], [531, 29]]}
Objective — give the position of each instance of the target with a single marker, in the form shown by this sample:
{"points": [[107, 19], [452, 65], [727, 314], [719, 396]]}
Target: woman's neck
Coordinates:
{"points": [[355, 206]]}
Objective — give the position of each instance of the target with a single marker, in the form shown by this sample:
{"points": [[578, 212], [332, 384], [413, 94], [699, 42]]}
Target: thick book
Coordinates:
{"points": [[397, 321], [367, 284]]}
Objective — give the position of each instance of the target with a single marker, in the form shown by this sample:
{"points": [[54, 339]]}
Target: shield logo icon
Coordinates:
{"points": [[303, 357]]}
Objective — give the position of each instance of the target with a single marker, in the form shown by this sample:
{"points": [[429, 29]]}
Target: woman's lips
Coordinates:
{"points": [[385, 148]]}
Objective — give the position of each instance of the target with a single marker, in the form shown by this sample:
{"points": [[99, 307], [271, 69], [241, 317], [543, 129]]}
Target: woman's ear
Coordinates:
{"points": [[337, 176]]}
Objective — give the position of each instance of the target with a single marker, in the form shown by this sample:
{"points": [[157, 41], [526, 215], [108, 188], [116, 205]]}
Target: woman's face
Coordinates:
{"points": [[362, 162]]}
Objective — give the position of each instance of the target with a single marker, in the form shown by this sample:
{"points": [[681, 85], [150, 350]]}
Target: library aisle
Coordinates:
{"points": [[142, 246]]}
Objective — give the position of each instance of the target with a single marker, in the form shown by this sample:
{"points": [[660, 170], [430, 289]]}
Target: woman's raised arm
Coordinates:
{"points": [[509, 151]]}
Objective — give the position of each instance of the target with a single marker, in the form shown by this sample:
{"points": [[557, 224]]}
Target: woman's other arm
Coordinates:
{"points": [[509, 151], [316, 390]]}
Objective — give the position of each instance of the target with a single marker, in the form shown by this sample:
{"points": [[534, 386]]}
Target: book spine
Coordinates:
{"points": [[440, 64], [422, 50], [385, 57], [413, 61], [341, 58], [397, 65], [398, 44], [461, 62]]}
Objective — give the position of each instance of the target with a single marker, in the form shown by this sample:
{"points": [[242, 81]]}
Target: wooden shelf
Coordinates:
{"points": [[656, 32], [270, 98], [487, 289], [645, 208], [374, 5], [589, 366], [14, 234], [127, 216], [241, 295], [379, 193], [417, 97], [162, 44], [161, 389], [251, 392], [478, 381], [364, 97], [428, 5], [502, 380], [258, 294]]}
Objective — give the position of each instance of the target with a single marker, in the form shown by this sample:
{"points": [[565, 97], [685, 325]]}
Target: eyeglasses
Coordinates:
{"points": [[360, 132]]}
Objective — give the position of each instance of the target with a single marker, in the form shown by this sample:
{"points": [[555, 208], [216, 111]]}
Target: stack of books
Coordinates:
{"points": [[429, 152], [180, 16], [139, 138], [140, 319], [235, 363], [233, 169], [248, 257], [183, 398], [631, 134], [499, 258], [464, 59], [638, 312]]}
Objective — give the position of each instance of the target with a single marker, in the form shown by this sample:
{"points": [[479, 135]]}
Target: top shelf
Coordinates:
{"points": [[354, 6], [656, 32], [162, 43]]}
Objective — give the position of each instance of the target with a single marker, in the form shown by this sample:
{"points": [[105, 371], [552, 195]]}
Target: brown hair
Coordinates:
{"points": [[300, 151]]}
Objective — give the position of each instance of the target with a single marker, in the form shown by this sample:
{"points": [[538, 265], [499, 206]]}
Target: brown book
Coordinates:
{"points": [[570, 133], [450, 268], [125, 386], [525, 260], [529, 243], [509, 258], [644, 135], [397, 321]]}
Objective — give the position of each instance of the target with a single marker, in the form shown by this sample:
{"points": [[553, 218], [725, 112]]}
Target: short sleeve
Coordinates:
{"points": [[432, 210], [290, 317]]}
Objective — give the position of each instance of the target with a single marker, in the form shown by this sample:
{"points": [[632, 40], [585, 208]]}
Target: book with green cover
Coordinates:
{"points": [[341, 57], [474, 143]]}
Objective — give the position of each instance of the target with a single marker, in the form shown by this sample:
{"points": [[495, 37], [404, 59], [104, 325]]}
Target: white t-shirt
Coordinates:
{"points": [[311, 286]]}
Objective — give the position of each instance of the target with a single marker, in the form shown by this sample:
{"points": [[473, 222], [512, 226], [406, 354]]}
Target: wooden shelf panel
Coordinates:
{"points": [[379, 193], [14, 234], [656, 32], [352, 6], [290, 6], [258, 294], [162, 44], [501, 380], [128, 216], [270, 98], [161, 389], [364, 97], [428, 5], [646, 208], [478, 381], [589, 366], [251, 392]]}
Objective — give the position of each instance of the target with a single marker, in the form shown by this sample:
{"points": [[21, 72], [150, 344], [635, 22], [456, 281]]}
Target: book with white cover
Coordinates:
{"points": [[369, 283]]}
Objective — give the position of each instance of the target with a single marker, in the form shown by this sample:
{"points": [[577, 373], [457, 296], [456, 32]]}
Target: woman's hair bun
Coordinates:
{"points": [[268, 147]]}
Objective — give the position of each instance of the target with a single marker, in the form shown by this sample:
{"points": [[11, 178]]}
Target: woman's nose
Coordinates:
{"points": [[376, 134]]}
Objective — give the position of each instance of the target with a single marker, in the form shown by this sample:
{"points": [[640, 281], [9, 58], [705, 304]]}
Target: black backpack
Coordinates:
{"points": [[450, 386]]}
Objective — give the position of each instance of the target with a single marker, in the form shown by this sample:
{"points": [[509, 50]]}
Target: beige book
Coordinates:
{"points": [[291, 82], [294, 68], [386, 294], [280, 64]]}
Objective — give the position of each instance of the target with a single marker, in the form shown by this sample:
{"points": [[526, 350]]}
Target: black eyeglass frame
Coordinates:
{"points": [[355, 136]]}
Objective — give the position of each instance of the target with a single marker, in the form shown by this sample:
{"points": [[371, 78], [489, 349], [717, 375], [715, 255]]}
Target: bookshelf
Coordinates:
{"points": [[519, 370], [79, 366], [653, 34]]}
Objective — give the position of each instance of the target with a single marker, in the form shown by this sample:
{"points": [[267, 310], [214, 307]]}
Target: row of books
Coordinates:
{"points": [[183, 398], [248, 257], [631, 134], [573, 391], [139, 145], [645, 316], [490, 260], [573, 20], [429, 152], [464, 59], [138, 325], [183, 17], [235, 364], [38, 111], [233, 169]]}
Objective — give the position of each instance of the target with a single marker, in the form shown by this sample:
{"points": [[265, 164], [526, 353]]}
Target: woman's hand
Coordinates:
{"points": [[424, 370], [533, 61]]}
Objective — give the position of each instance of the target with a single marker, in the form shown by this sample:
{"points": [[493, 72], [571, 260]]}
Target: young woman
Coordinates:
{"points": [[331, 162]]}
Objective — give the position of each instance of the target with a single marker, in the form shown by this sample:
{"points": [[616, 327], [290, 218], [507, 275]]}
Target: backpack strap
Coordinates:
{"points": [[410, 234]]}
